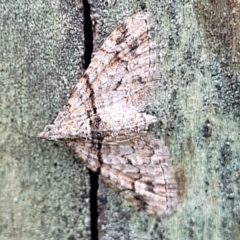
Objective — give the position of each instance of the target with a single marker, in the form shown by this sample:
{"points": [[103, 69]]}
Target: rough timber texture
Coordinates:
{"points": [[197, 105], [43, 187]]}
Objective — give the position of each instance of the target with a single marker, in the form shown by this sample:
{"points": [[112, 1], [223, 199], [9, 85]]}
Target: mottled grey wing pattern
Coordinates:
{"points": [[139, 169], [104, 120], [110, 97]]}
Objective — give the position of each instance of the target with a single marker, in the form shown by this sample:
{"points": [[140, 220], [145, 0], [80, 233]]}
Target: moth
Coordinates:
{"points": [[105, 124]]}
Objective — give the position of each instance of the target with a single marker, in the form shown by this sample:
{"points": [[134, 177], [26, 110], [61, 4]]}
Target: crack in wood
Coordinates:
{"points": [[88, 45]]}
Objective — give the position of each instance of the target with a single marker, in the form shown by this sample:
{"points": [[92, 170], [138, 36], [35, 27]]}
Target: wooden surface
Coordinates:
{"points": [[44, 189]]}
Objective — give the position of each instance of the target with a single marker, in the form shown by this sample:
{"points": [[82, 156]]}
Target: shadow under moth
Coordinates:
{"points": [[105, 124]]}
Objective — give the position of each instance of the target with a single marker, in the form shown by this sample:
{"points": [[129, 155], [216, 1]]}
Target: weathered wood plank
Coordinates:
{"points": [[197, 104], [43, 188]]}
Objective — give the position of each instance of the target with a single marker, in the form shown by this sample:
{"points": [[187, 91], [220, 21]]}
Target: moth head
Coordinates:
{"points": [[47, 132]]}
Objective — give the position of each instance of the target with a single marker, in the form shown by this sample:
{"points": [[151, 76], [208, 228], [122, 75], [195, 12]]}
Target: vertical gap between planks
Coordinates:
{"points": [[88, 48]]}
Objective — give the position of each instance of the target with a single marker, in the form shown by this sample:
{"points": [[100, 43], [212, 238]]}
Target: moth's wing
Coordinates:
{"points": [[120, 124], [140, 169], [119, 80], [123, 70], [87, 151]]}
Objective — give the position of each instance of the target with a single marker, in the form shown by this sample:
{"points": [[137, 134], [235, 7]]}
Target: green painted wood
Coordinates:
{"points": [[197, 104], [44, 188]]}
